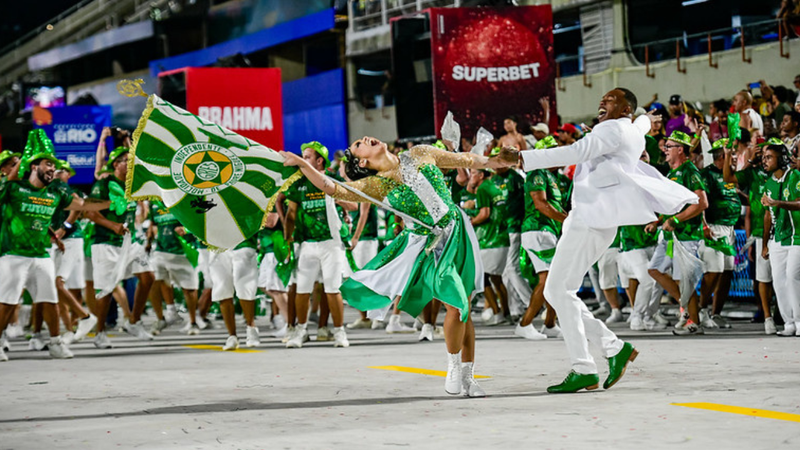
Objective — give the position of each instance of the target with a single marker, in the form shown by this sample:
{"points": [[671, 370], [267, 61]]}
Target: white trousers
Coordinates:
{"points": [[648, 294], [579, 248], [785, 262], [518, 287]]}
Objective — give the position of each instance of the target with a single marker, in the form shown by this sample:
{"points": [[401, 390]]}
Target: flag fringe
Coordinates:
{"points": [[284, 187], [132, 152]]}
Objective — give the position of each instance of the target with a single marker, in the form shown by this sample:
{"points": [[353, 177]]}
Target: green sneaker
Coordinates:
{"points": [[618, 363], [575, 382]]}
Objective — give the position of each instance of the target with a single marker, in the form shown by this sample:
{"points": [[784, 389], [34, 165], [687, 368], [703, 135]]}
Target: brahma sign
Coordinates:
{"points": [[245, 100], [490, 63]]}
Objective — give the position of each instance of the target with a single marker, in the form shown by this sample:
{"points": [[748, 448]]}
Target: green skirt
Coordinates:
{"points": [[451, 272]]}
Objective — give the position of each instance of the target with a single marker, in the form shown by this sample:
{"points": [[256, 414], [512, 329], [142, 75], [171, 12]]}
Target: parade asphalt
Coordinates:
{"points": [[727, 389]]}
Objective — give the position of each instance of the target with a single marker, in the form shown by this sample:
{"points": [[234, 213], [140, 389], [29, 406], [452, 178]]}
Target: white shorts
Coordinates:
{"points": [[661, 262], [326, 257], [175, 269], [70, 264], [36, 275], [716, 261], [364, 252], [763, 268], [234, 270], [628, 261], [494, 260], [106, 258], [538, 241], [625, 270], [203, 255], [268, 278], [607, 268]]}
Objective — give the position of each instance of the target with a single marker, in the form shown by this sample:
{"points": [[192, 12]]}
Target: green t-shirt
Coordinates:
{"points": [[633, 237], [265, 244], [493, 232], [120, 211], [542, 180], [456, 190], [724, 206], [62, 215], [466, 196], [786, 224], [312, 218], [689, 177], [753, 181], [565, 186], [27, 213], [513, 186], [370, 231], [166, 239]]}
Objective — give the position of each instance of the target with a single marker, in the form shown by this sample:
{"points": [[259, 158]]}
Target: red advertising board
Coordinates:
{"points": [[491, 63], [244, 100]]}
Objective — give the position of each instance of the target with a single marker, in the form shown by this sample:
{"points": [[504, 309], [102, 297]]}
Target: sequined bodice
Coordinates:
{"points": [[423, 195]]}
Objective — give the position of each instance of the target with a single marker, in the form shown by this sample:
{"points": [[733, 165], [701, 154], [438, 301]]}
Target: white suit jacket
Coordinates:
{"points": [[612, 187]]}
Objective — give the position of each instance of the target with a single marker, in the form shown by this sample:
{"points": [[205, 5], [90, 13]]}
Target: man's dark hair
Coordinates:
{"points": [[784, 159], [630, 97], [795, 116], [722, 105], [745, 135], [781, 93]]}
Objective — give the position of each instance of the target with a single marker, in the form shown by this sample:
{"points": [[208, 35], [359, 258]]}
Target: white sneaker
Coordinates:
{"points": [[202, 324], [324, 334], [378, 325], [603, 310], [290, 330], [4, 344], [102, 341], [615, 317], [660, 318], [194, 329], [37, 343], [3, 356], [452, 383], [85, 326], [281, 333], [417, 324], [720, 322], [705, 319], [172, 317], [278, 322], [253, 340], [360, 324], [14, 331], [137, 330], [769, 326], [232, 343], [497, 319], [68, 337], [340, 338], [299, 338], [554, 332], [58, 349], [426, 333], [788, 330], [529, 332], [157, 327], [637, 324], [470, 387], [654, 325], [688, 330], [396, 326], [487, 314], [683, 319]]}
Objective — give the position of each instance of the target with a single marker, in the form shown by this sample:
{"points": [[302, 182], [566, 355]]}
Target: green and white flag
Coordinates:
{"points": [[218, 184]]}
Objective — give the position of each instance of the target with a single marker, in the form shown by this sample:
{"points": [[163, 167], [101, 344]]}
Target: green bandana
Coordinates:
{"points": [[119, 151], [771, 141], [6, 155], [64, 165], [722, 143], [319, 148], [547, 142], [680, 137]]}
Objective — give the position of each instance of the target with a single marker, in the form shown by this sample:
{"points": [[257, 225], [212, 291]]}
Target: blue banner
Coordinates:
{"points": [[75, 132]]}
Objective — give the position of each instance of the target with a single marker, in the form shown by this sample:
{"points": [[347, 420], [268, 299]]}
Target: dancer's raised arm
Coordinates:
{"points": [[373, 186], [449, 160]]}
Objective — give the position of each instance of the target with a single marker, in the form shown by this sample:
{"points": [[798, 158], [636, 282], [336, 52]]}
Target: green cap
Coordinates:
{"points": [[440, 144], [719, 144], [65, 165], [38, 146], [319, 148], [119, 151], [495, 151], [547, 142], [771, 141], [6, 155], [680, 137]]}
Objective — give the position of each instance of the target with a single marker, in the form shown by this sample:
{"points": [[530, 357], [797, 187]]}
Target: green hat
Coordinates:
{"points": [[771, 141], [547, 142], [495, 151], [680, 137], [38, 146], [65, 165], [440, 144], [6, 155], [719, 144], [119, 151], [319, 148]]}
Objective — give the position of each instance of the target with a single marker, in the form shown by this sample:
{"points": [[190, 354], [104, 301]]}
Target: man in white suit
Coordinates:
{"points": [[612, 188]]}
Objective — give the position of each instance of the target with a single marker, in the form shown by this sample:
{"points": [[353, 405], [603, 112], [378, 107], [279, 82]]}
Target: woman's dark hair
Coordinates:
{"points": [[353, 170]]}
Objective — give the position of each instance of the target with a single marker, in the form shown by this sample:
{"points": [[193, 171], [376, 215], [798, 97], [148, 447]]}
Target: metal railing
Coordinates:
{"points": [[367, 14]]}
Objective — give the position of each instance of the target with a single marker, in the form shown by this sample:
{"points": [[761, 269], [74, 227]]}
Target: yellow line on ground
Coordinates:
{"points": [[765, 413], [218, 348], [436, 373]]}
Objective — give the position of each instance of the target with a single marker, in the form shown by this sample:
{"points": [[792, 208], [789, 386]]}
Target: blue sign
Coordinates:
{"points": [[75, 132]]}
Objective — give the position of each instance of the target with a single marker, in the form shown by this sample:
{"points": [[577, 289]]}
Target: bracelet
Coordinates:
{"points": [[675, 220]]}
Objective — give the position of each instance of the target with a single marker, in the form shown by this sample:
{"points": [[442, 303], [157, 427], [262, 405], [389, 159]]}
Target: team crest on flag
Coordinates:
{"points": [[218, 184]]}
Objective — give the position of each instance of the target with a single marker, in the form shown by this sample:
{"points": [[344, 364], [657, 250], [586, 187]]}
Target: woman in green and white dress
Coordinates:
{"points": [[440, 260]]}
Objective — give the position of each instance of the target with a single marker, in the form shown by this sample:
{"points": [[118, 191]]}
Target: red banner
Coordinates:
{"points": [[491, 63], [245, 100]]}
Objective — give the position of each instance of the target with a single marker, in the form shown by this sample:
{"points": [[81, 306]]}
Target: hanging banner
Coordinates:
{"points": [[244, 100], [75, 132], [491, 63]]}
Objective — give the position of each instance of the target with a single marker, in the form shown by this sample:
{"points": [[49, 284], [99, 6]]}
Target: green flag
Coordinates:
{"points": [[218, 184]]}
